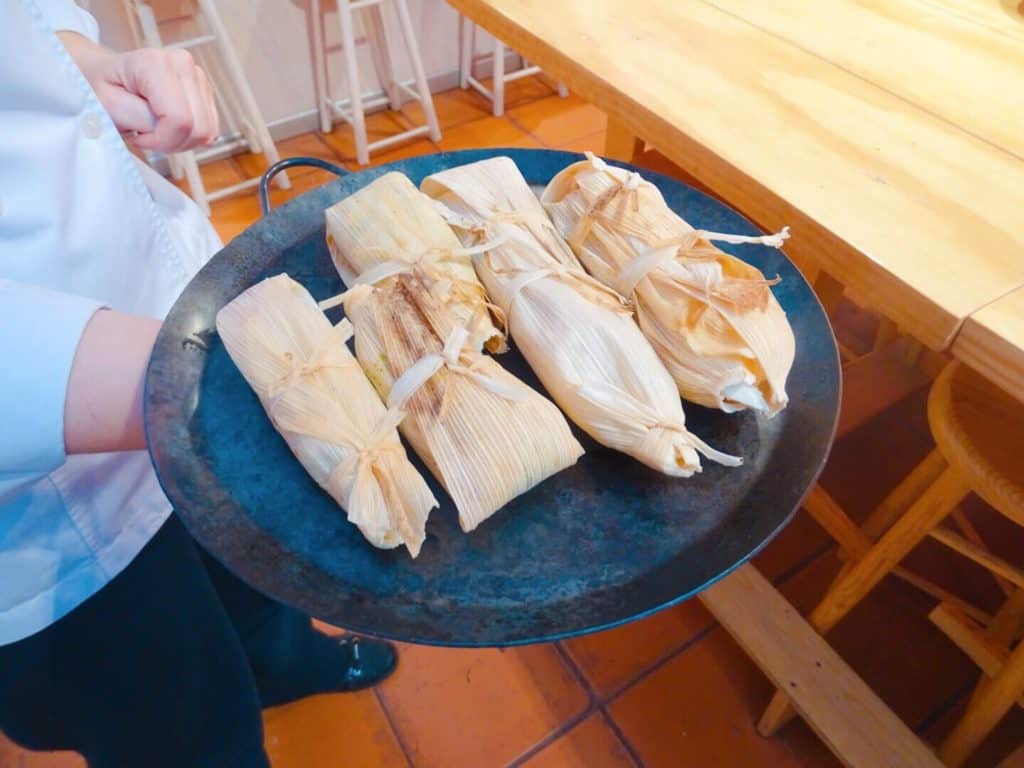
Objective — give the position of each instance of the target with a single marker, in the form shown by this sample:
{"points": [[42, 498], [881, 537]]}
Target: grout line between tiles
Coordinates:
{"points": [[552, 737], [572, 722], [581, 678], [394, 729], [626, 744], [643, 674], [654, 667]]}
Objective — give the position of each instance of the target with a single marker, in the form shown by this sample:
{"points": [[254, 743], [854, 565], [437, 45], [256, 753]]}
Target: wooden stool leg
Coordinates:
{"points": [[1013, 760], [985, 711], [320, 65], [1008, 622], [829, 291], [348, 42], [498, 78], [195, 180], [240, 86], [621, 143], [927, 512], [854, 544], [467, 29], [380, 51], [904, 494], [419, 74], [887, 332]]}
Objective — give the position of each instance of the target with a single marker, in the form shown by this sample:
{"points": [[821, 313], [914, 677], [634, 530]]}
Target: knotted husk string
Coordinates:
{"points": [[484, 434], [712, 318], [389, 228], [320, 401], [576, 332]]}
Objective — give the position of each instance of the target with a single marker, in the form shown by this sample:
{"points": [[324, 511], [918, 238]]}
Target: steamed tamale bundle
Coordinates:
{"points": [[321, 402], [711, 317], [485, 435], [577, 334], [390, 228]]}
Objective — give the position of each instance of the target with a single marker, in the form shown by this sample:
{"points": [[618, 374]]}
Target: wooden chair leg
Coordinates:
{"points": [[1013, 760], [854, 544], [971, 534], [498, 78], [419, 74], [829, 291], [1008, 623], [971, 637], [316, 23], [903, 495], [887, 332], [985, 710], [466, 46], [381, 53], [195, 181], [240, 87], [348, 42], [621, 143], [927, 512]]}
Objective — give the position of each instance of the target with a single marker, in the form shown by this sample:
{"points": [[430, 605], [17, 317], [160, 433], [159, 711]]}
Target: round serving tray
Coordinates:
{"points": [[599, 544]]}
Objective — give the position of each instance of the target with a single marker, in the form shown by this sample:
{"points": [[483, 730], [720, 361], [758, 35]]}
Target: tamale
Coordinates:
{"points": [[577, 335], [711, 317], [485, 435], [321, 402], [389, 228]]}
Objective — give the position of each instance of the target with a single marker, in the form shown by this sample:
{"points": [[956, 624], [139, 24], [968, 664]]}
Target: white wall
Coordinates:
{"points": [[272, 39]]}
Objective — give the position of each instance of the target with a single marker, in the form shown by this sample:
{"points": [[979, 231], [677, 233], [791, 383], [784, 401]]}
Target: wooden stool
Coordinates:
{"points": [[353, 110], [235, 99], [499, 76], [979, 432]]}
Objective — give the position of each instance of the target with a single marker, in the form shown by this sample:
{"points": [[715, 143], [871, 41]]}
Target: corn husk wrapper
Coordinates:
{"points": [[711, 317], [321, 402], [578, 336], [389, 228], [485, 435]]}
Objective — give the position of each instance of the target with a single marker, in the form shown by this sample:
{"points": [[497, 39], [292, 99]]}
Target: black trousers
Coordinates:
{"points": [[164, 666]]}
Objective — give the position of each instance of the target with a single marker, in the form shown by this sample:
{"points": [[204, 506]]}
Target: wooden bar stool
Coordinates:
{"points": [[495, 95], [235, 99], [979, 435], [395, 91]]}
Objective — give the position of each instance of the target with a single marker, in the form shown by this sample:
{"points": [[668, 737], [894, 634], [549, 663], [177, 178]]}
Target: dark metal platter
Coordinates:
{"points": [[604, 542]]}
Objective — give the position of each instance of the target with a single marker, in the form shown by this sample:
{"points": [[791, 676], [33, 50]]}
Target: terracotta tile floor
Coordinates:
{"points": [[672, 689]]}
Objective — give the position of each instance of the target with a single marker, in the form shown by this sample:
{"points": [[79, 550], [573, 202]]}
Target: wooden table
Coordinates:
{"points": [[992, 342], [862, 125], [886, 134]]}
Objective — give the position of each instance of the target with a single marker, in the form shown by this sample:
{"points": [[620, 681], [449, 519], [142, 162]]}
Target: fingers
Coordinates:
{"points": [[178, 94], [129, 112]]}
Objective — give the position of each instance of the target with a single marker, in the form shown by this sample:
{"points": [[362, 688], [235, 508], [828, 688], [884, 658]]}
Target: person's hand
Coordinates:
{"points": [[159, 99]]}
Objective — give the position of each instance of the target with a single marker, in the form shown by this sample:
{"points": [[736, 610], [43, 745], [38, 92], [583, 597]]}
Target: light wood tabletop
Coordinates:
{"points": [[941, 61], [992, 342], [910, 194]]}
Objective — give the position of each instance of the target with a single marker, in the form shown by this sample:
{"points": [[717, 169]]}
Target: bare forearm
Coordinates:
{"points": [[103, 408]]}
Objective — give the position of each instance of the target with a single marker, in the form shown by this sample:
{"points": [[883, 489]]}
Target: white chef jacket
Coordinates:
{"points": [[83, 225]]}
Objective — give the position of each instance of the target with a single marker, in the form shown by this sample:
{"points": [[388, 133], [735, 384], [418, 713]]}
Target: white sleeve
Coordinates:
{"points": [[66, 16], [39, 333]]}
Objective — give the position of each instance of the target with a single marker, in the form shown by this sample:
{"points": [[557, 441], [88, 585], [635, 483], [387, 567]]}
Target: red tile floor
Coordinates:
{"points": [[672, 690]]}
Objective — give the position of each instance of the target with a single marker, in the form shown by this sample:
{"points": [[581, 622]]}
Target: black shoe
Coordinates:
{"points": [[323, 664], [370, 662]]}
